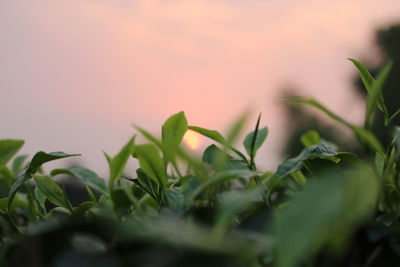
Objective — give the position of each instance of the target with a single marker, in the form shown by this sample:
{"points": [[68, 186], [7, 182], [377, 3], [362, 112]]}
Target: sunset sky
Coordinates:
{"points": [[75, 74]]}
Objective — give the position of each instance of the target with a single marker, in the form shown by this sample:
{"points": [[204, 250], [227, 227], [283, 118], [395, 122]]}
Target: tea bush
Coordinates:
{"points": [[324, 207]]}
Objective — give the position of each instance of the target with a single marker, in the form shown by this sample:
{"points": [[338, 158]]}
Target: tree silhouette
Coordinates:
{"points": [[301, 120]]}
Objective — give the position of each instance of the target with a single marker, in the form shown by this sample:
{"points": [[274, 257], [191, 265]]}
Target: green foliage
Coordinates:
{"points": [[152, 163], [117, 164], [52, 191], [8, 148], [87, 176], [174, 129], [324, 207], [37, 161]]}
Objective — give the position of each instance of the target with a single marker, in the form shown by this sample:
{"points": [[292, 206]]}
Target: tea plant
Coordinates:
{"points": [[324, 207]]}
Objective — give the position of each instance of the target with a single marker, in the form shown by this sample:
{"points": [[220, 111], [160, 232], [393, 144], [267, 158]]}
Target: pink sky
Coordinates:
{"points": [[74, 75]]}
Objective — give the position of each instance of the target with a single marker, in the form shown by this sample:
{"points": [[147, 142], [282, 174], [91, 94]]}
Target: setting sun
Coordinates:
{"points": [[192, 139]]}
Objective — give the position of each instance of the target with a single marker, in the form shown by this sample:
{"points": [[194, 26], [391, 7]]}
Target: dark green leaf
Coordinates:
{"points": [[52, 191], [40, 198], [368, 82], [147, 184], [325, 214], [294, 164], [121, 201], [86, 176], [217, 180]]}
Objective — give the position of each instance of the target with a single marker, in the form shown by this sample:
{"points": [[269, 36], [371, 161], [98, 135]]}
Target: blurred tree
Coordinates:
{"points": [[388, 42], [300, 120]]}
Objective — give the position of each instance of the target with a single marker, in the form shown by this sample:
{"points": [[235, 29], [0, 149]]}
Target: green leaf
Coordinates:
{"points": [[40, 198], [299, 177], [16, 204], [216, 157], [147, 184], [368, 81], [253, 141], [376, 92], [217, 180], [37, 161], [394, 115], [310, 138], [366, 77], [324, 215], [88, 177], [7, 176], [294, 164], [174, 129], [52, 191], [175, 198], [151, 163], [8, 148], [91, 195], [216, 136], [121, 201], [149, 136], [85, 207], [212, 134], [236, 129], [365, 136], [368, 138], [233, 203], [117, 164], [18, 163]]}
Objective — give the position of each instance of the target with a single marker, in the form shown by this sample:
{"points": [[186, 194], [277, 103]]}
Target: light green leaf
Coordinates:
{"points": [[212, 134], [236, 128], [310, 138], [151, 163], [8, 148], [376, 92], [117, 164], [252, 143], [174, 129], [214, 156], [216, 136], [149, 136], [18, 163]]}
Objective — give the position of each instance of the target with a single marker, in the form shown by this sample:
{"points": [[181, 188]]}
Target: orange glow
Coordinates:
{"points": [[192, 139]]}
